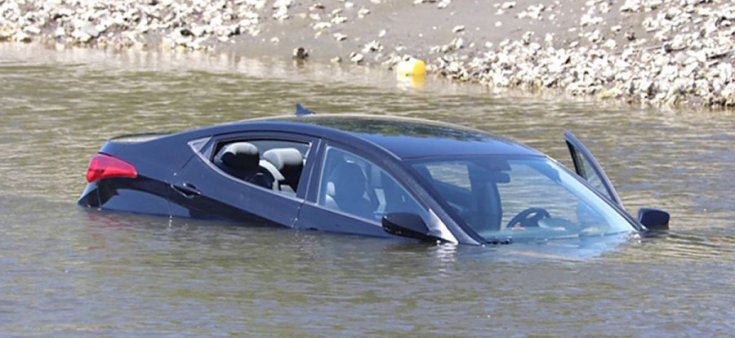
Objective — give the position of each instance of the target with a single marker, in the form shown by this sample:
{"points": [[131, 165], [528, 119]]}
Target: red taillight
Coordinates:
{"points": [[105, 166]]}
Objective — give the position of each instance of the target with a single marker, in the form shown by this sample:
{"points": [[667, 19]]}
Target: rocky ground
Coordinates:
{"points": [[661, 52]]}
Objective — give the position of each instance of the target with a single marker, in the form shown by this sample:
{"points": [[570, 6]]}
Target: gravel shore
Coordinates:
{"points": [[659, 52]]}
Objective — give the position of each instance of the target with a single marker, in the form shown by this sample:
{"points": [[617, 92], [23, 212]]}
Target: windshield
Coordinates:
{"points": [[517, 197]]}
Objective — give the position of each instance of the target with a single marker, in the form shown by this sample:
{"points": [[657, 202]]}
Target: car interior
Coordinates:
{"points": [[360, 188], [347, 190], [278, 168], [290, 163], [470, 191], [241, 160]]}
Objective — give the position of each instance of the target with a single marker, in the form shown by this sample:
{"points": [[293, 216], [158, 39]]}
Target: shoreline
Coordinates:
{"points": [[643, 52]]}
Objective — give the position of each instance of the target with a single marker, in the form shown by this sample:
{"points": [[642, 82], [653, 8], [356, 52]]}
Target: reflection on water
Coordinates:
{"points": [[72, 272]]}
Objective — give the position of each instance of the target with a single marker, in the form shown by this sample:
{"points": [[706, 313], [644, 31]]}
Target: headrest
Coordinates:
{"points": [[284, 157], [239, 156]]}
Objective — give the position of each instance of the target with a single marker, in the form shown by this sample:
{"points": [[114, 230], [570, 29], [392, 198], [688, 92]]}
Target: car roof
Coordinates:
{"points": [[407, 138]]}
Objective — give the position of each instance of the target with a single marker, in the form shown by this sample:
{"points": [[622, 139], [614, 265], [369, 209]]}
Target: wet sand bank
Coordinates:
{"points": [[675, 53]]}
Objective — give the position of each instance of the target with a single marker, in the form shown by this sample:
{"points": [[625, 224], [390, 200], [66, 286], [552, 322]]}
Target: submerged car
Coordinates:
{"points": [[367, 175]]}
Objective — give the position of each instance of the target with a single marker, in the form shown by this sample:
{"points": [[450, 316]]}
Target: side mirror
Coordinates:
{"points": [[408, 225], [654, 219]]}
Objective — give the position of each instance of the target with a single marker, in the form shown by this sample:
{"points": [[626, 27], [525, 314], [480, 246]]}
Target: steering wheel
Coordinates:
{"points": [[528, 218]]}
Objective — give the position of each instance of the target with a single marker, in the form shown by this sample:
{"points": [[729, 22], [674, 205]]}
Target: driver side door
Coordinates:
{"points": [[587, 167]]}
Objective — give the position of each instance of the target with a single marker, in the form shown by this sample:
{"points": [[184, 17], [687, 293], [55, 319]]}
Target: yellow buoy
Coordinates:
{"points": [[411, 69]]}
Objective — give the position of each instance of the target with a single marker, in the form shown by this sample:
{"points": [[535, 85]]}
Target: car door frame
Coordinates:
{"points": [[577, 149], [314, 216], [255, 205], [337, 221]]}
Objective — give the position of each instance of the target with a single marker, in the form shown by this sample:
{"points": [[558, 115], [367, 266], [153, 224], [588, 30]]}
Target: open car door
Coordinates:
{"points": [[588, 168]]}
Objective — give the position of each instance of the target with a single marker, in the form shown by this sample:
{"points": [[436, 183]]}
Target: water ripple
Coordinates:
{"points": [[66, 271]]}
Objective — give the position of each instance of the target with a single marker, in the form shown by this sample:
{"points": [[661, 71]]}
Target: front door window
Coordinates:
{"points": [[355, 186]]}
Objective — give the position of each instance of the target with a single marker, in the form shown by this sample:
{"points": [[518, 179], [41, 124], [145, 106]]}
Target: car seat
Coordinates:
{"points": [[242, 160], [289, 162], [347, 191]]}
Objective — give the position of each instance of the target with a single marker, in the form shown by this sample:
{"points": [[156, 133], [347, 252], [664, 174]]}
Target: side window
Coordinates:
{"points": [[356, 186], [268, 163]]}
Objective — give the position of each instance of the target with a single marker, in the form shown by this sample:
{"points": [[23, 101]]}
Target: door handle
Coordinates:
{"points": [[187, 190]]}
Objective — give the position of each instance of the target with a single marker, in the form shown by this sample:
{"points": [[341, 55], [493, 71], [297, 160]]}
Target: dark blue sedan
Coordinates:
{"points": [[367, 175]]}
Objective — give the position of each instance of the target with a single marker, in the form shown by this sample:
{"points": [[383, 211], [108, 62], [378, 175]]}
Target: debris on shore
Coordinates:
{"points": [[655, 52]]}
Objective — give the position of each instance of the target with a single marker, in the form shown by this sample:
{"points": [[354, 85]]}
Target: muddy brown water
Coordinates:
{"points": [[66, 271]]}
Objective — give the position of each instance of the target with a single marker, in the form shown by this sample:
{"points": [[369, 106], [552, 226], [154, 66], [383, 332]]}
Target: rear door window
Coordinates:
{"points": [[272, 164]]}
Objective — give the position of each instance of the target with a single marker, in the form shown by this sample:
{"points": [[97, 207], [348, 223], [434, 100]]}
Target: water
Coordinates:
{"points": [[66, 271]]}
